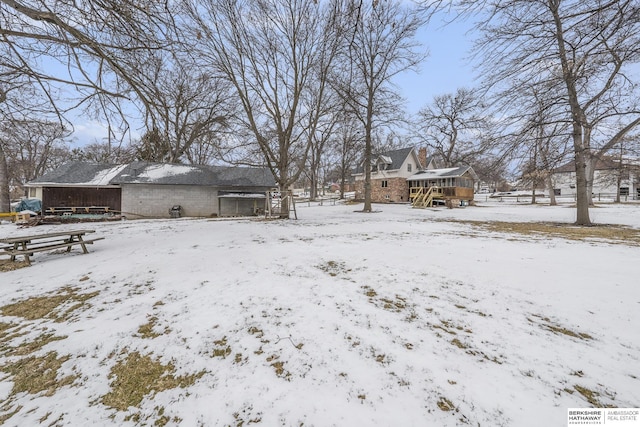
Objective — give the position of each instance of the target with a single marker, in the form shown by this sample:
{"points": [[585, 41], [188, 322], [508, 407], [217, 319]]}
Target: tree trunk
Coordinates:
{"points": [[580, 140], [552, 193], [5, 198], [367, 175], [313, 188], [589, 175], [283, 182], [582, 189], [367, 152]]}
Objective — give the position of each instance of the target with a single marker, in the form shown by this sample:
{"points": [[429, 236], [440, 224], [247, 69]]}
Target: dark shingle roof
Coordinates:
{"points": [[397, 157], [80, 173], [605, 163]]}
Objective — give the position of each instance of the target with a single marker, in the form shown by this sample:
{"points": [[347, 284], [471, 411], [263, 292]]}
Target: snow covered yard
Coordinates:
{"points": [[397, 318]]}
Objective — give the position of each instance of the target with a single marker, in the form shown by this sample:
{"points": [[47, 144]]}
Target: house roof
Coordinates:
{"points": [[604, 163], [81, 174], [442, 173], [91, 174], [428, 161], [393, 159]]}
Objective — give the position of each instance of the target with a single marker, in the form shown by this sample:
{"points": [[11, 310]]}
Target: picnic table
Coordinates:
{"points": [[78, 209], [28, 245]]}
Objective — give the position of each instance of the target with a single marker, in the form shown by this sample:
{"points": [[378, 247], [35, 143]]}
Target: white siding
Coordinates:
{"points": [[604, 184]]}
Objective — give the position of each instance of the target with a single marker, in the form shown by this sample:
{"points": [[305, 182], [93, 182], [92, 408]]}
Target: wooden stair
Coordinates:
{"points": [[423, 198]]}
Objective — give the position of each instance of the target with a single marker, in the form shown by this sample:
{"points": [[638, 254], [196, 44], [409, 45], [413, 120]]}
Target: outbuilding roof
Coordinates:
{"points": [[81, 174], [92, 174]]}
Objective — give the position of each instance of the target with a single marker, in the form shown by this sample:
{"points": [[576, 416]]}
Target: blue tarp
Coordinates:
{"points": [[34, 205]]}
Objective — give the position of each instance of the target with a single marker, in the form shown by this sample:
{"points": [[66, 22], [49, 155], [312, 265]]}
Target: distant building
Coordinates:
{"points": [[389, 173], [397, 175], [610, 176]]}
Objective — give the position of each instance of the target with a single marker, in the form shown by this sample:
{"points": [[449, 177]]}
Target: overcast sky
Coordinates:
{"points": [[445, 70]]}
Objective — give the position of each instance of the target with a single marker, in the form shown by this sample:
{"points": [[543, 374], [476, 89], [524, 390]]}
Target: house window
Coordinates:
{"points": [[572, 186], [385, 184], [32, 192], [624, 191], [408, 167], [557, 191]]}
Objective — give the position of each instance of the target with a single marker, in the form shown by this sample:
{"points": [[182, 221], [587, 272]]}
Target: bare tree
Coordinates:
{"points": [[455, 128], [273, 52], [345, 149], [188, 107], [544, 136], [104, 152], [93, 48], [491, 170], [19, 104], [582, 49], [379, 44], [32, 147]]}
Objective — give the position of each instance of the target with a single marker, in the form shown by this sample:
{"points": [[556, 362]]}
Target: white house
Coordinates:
{"points": [[608, 173]]}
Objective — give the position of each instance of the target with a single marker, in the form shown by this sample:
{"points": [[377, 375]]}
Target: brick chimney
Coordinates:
{"points": [[422, 157]]}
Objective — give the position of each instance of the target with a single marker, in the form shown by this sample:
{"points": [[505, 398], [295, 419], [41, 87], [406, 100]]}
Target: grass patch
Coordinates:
{"points": [[29, 347], [450, 328], [221, 350], [278, 367], [35, 375], [5, 417], [369, 291], [561, 330], [565, 331], [334, 268], [590, 395], [9, 331], [614, 234], [138, 376], [459, 343], [8, 265], [445, 404], [58, 306], [396, 305], [148, 330]]}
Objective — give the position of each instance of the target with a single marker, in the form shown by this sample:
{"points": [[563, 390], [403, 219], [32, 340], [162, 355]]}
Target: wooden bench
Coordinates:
{"points": [[26, 246]]}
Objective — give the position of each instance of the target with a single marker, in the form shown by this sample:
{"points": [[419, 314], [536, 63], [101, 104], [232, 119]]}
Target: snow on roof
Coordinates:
{"points": [[105, 176], [439, 173], [163, 170], [81, 174]]}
